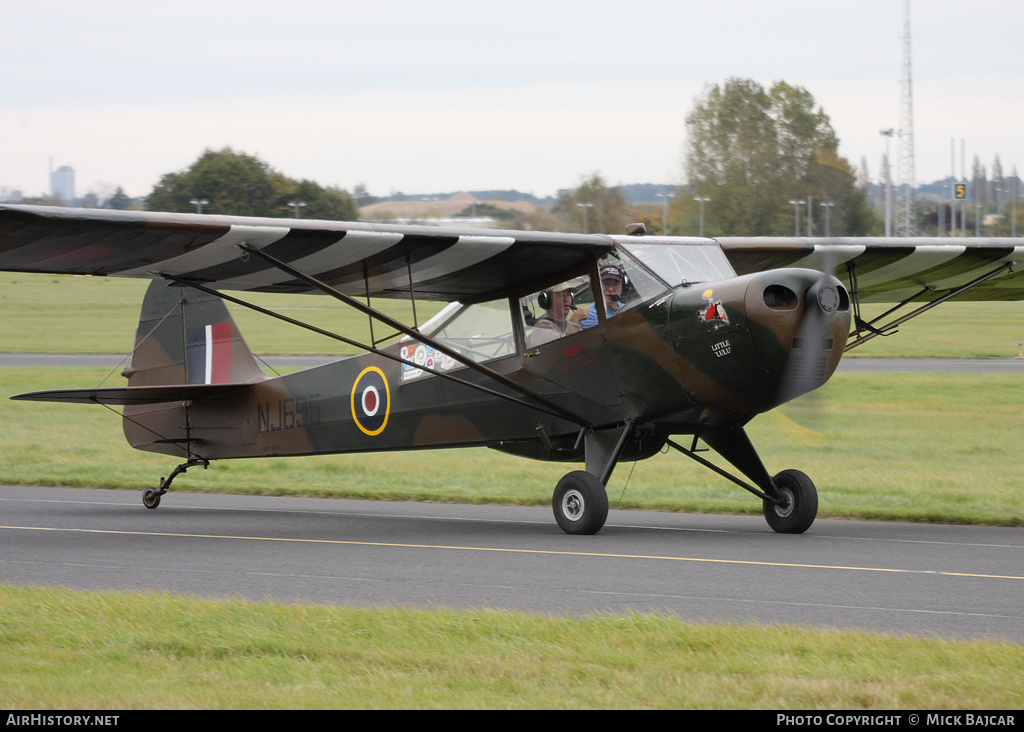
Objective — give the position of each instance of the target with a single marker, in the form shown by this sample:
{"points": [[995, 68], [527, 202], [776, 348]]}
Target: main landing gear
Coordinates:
{"points": [[151, 496], [580, 502]]}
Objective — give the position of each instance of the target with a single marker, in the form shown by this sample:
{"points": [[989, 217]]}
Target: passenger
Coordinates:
{"points": [[555, 323], [611, 283]]}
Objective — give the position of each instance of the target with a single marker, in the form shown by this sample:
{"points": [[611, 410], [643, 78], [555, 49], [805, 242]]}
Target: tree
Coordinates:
{"points": [[979, 183], [999, 189], [243, 185], [320, 203], [232, 183], [604, 207], [119, 200], [751, 151]]}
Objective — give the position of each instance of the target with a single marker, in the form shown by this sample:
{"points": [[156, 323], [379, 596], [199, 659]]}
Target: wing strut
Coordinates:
{"points": [[543, 406], [550, 407], [887, 328]]}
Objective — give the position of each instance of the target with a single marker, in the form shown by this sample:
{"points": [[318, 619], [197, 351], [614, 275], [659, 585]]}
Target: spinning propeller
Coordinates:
{"points": [[813, 347]]}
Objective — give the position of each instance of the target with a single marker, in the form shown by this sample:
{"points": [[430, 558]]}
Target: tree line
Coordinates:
{"points": [[227, 182], [760, 162]]}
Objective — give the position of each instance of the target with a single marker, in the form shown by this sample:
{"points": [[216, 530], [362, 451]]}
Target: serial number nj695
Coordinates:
{"points": [[288, 413]]}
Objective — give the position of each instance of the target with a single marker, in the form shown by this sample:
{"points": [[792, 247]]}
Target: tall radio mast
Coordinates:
{"points": [[906, 224]]}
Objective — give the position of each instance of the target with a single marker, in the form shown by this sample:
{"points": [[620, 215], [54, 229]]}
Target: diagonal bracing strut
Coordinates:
{"points": [[534, 401]]}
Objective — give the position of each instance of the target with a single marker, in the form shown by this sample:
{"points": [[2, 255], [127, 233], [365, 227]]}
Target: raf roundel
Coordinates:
{"points": [[371, 401]]}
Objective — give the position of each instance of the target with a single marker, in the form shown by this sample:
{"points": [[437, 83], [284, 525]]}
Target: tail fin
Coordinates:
{"points": [[186, 336], [188, 351]]}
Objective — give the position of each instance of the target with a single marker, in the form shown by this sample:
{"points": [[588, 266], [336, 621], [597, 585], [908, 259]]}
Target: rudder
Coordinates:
{"points": [[186, 336]]}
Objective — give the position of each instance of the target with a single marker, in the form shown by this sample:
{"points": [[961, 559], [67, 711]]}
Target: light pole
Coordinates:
{"points": [[888, 182], [585, 206], [297, 205], [796, 212], [1013, 218], [664, 213], [199, 203], [702, 200], [827, 205]]}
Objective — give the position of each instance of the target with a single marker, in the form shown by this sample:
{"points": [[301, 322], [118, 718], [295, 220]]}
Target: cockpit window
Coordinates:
{"points": [[553, 313], [481, 331], [678, 263], [622, 282]]}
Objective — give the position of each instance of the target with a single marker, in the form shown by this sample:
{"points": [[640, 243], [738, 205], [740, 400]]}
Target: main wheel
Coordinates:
{"points": [[580, 503], [797, 506]]}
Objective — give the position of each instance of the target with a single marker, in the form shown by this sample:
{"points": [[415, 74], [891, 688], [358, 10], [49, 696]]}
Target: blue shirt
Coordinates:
{"points": [[591, 320]]}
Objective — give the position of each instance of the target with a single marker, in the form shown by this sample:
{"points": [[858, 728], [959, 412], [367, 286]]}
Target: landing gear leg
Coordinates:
{"points": [[151, 496], [790, 500], [580, 502]]}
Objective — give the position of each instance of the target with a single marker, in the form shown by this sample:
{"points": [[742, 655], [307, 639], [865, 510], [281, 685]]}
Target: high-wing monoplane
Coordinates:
{"points": [[682, 338]]}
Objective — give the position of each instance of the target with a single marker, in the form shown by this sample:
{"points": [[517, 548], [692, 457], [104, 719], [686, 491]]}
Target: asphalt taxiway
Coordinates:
{"points": [[928, 580]]}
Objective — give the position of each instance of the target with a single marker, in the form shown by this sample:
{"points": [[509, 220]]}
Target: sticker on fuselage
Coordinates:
{"points": [[418, 360], [371, 401], [712, 312]]}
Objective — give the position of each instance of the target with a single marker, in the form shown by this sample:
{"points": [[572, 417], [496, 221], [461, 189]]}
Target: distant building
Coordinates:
{"points": [[441, 211], [9, 195], [62, 183]]}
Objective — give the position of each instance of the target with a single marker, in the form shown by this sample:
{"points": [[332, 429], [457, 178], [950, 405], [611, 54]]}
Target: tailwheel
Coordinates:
{"points": [[580, 503], [797, 506], [151, 497]]}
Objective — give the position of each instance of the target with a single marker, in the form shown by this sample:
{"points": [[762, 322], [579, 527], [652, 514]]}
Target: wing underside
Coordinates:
{"points": [[893, 269], [358, 259], [450, 264]]}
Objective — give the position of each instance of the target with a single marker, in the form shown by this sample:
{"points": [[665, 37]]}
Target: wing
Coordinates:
{"points": [[356, 258], [893, 269]]}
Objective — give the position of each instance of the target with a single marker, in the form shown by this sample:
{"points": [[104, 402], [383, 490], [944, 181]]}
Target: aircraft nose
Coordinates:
{"points": [[805, 318]]}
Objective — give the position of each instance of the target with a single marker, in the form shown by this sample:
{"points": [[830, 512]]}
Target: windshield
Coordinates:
{"points": [[678, 262]]}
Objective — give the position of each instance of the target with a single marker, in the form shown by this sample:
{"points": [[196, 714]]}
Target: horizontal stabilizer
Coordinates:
{"points": [[133, 394]]}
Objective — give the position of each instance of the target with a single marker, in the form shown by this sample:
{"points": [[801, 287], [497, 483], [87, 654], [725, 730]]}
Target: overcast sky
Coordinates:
{"points": [[448, 95]]}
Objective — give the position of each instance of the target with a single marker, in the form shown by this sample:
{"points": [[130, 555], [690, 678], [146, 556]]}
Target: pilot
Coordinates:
{"points": [[611, 283], [555, 323]]}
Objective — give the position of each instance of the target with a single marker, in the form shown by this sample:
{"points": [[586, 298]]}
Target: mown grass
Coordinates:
{"points": [[911, 447], [88, 650], [72, 314]]}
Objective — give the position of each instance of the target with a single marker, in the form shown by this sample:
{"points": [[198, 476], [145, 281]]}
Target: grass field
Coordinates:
{"points": [[35, 319], [86, 650], [914, 447]]}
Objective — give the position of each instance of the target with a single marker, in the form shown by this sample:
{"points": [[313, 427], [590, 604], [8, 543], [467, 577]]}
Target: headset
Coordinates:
{"points": [[544, 299]]}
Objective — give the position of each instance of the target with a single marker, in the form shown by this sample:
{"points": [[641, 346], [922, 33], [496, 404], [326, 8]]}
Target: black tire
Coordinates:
{"points": [[580, 503], [151, 498], [798, 506]]}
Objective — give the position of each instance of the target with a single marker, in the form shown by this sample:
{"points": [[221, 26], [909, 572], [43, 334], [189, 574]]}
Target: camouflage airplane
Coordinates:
{"points": [[687, 337]]}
